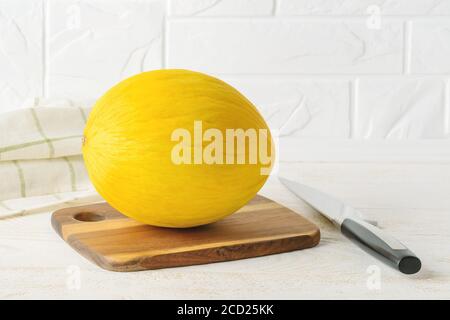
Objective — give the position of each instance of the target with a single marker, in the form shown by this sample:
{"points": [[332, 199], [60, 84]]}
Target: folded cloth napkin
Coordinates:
{"points": [[41, 133], [40, 158]]}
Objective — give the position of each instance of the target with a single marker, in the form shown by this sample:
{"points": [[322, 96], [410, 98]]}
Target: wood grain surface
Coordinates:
{"points": [[117, 243]]}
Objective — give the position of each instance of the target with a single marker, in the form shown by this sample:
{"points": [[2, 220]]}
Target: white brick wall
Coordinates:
{"points": [[309, 108], [221, 8], [284, 46], [361, 7], [401, 109], [21, 52], [346, 76], [94, 44]]}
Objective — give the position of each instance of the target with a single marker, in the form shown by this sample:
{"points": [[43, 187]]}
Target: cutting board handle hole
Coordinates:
{"points": [[88, 217]]}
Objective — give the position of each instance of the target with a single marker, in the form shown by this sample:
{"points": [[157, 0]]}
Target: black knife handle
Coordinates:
{"points": [[374, 241]]}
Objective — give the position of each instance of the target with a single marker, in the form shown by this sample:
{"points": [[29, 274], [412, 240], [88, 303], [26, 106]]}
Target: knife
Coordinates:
{"points": [[367, 236]]}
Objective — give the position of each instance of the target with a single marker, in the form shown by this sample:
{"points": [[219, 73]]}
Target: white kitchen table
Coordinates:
{"points": [[409, 200]]}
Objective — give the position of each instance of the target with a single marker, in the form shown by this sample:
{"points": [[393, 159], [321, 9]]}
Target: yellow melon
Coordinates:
{"points": [[140, 157]]}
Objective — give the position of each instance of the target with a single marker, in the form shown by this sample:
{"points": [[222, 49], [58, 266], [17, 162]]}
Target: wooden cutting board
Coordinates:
{"points": [[115, 242]]}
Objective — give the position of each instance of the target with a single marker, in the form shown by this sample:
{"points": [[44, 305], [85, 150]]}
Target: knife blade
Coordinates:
{"points": [[367, 236]]}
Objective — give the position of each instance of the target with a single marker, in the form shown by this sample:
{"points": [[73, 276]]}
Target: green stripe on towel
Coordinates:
{"points": [[73, 178], [23, 192], [51, 149]]}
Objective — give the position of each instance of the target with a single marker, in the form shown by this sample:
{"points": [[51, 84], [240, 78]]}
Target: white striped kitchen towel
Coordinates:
{"points": [[40, 158]]}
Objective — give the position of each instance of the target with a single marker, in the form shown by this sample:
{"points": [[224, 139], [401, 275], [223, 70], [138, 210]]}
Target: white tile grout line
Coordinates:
{"points": [[310, 18], [275, 9], [44, 48], [407, 50], [169, 10], [353, 107], [164, 46], [350, 108], [344, 76], [447, 109]]}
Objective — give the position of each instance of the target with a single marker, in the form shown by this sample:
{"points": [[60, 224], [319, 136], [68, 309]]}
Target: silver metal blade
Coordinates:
{"points": [[333, 209]]}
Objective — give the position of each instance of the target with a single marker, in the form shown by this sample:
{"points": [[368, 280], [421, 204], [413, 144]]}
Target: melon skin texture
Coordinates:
{"points": [[127, 149]]}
